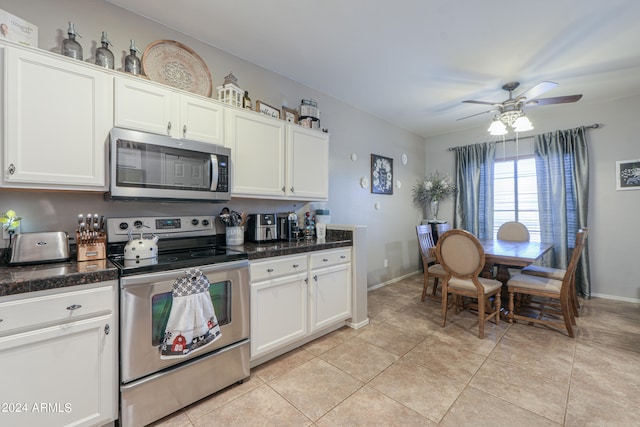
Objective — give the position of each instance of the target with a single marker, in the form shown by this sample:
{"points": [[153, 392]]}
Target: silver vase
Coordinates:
{"points": [[434, 205]]}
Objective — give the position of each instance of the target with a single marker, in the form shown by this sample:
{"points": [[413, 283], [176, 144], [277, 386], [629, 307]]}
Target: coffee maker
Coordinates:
{"points": [[288, 228]]}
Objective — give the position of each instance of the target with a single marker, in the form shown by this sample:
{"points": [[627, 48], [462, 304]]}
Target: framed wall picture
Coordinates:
{"points": [[267, 110], [381, 174], [289, 115], [628, 174]]}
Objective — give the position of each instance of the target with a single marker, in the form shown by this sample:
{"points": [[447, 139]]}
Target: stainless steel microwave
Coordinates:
{"points": [[144, 166]]}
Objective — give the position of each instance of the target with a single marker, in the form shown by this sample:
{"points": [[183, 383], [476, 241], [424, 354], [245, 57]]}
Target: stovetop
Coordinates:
{"points": [[175, 260], [184, 242]]}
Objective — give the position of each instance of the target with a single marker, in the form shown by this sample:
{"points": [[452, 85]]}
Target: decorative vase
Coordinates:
{"points": [[434, 209]]}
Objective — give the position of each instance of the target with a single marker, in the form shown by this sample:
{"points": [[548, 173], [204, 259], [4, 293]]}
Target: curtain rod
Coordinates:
{"points": [[593, 126]]}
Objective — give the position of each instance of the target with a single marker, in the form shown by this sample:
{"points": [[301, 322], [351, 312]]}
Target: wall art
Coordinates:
{"points": [[381, 174]]}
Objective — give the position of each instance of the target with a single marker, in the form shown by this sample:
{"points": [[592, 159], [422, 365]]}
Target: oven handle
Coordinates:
{"points": [[180, 367], [162, 276]]}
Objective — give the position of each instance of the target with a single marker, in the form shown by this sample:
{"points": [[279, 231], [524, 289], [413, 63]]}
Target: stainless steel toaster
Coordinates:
{"points": [[34, 248]]}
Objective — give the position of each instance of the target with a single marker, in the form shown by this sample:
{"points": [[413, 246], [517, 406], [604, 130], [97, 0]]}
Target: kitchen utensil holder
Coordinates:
{"points": [[91, 249]]}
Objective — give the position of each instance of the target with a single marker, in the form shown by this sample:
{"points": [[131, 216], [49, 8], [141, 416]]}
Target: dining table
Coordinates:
{"points": [[507, 254]]}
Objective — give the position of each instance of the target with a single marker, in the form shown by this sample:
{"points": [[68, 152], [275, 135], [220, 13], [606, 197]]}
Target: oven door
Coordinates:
{"points": [[145, 303]]}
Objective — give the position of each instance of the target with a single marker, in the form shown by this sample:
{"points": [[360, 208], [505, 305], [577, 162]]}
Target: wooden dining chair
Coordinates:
{"points": [[551, 297], [513, 231], [558, 274], [462, 258], [430, 263]]}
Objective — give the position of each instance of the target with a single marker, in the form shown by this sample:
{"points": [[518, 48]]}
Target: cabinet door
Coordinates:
{"points": [[278, 313], [143, 106], [201, 120], [307, 163], [330, 296], [257, 154], [58, 114], [61, 375]]}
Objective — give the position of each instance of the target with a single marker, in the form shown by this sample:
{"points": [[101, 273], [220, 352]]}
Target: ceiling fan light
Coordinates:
{"points": [[522, 124], [497, 128]]}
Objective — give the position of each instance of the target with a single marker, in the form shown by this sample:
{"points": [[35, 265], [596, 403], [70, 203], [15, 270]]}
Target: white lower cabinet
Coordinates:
{"points": [[58, 354], [331, 296], [294, 297]]}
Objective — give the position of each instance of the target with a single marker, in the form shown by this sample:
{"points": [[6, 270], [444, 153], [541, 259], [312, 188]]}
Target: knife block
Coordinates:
{"points": [[91, 249]]}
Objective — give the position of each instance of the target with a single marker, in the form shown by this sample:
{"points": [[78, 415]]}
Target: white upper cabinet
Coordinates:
{"points": [[257, 147], [307, 163], [150, 107], [57, 114], [276, 160]]}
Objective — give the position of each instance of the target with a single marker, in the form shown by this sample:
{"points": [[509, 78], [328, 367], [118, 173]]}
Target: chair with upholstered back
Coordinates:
{"points": [[513, 231], [553, 296], [429, 261], [558, 274], [442, 227], [462, 258]]}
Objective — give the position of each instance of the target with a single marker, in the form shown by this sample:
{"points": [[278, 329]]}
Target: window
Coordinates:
{"points": [[515, 196]]}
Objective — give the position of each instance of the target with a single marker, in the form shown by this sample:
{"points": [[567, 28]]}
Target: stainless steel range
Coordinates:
{"points": [[152, 387]]}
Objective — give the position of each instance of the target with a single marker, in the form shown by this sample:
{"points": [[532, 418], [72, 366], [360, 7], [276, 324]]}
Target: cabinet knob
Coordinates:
{"points": [[315, 277], [292, 190], [12, 169], [184, 131], [296, 265], [284, 189], [269, 270], [107, 329], [74, 307], [325, 259], [169, 128], [343, 256]]}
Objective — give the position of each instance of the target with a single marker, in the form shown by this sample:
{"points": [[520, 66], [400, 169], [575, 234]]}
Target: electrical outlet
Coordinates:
{"points": [[386, 263]]}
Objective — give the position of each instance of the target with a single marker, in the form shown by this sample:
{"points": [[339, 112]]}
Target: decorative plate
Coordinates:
{"points": [[174, 64]]}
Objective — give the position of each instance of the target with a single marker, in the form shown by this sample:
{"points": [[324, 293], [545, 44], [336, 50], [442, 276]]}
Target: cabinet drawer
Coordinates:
{"points": [[325, 259], [33, 312], [276, 267]]}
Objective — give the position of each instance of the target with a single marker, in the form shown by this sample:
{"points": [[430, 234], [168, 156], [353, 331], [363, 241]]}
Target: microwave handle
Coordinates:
{"points": [[214, 172]]}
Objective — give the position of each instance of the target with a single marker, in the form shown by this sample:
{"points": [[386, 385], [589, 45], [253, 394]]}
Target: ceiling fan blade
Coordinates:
{"points": [[555, 100], [538, 90], [480, 102], [477, 114]]}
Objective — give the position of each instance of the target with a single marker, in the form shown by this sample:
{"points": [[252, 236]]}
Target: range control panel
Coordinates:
{"points": [[119, 229]]}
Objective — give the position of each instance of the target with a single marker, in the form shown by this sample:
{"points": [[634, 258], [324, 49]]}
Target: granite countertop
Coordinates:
{"points": [[271, 249], [30, 278]]}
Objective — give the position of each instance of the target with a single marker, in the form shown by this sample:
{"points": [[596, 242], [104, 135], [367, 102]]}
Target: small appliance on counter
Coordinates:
{"points": [[40, 247], [261, 228], [288, 228]]}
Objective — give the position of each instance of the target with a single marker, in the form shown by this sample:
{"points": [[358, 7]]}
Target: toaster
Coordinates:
{"points": [[261, 228], [41, 247]]}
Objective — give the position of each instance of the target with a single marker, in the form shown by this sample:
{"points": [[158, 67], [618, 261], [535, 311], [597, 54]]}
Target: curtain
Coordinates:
{"points": [[562, 166], [473, 205]]}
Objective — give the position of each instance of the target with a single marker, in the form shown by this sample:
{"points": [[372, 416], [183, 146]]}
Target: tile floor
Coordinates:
{"points": [[405, 370]]}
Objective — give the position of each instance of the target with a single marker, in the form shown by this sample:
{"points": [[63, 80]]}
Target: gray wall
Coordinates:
{"points": [[613, 215], [390, 230]]}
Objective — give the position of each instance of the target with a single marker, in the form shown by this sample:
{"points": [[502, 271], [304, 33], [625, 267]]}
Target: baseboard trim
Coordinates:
{"points": [[396, 279], [616, 298]]}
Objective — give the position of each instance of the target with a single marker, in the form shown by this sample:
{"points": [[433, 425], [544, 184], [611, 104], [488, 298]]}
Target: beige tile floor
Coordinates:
{"points": [[405, 370]]}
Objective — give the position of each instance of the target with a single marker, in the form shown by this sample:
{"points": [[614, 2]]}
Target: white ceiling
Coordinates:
{"points": [[412, 62]]}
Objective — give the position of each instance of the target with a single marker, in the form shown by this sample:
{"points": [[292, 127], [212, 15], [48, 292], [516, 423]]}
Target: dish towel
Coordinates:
{"points": [[192, 322]]}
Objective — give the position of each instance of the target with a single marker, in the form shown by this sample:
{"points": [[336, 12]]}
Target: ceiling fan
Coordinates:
{"points": [[511, 111]]}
